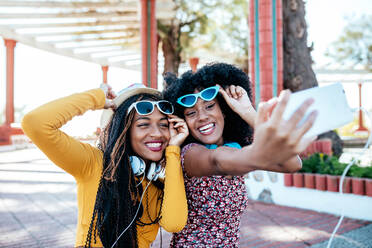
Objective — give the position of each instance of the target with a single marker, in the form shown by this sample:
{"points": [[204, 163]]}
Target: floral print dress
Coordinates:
{"points": [[215, 206]]}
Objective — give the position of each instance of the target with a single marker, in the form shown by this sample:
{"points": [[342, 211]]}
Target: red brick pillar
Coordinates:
{"points": [[265, 44], [104, 73], [252, 49], [9, 109], [266, 48], [194, 63], [279, 45], [149, 44], [361, 127]]}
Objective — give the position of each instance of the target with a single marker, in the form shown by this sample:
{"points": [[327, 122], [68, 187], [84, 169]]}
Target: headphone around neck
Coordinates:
{"points": [[139, 167], [155, 172]]}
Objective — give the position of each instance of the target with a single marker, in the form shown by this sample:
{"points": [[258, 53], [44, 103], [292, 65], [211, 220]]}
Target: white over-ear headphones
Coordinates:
{"points": [[139, 166]]}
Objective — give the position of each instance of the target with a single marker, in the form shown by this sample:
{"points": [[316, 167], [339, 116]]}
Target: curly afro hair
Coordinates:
{"points": [[236, 129]]}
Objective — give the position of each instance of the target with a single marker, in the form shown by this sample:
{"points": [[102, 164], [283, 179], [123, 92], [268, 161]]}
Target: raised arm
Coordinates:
{"points": [[276, 143], [174, 210], [237, 98], [42, 127]]}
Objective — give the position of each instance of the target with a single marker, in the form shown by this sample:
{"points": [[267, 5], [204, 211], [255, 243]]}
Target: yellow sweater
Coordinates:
{"points": [[84, 162]]}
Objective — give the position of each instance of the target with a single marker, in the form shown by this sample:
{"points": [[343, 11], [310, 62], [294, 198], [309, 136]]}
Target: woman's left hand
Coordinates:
{"points": [[178, 130], [237, 98]]}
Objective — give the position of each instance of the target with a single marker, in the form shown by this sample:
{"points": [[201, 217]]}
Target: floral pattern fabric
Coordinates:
{"points": [[215, 206]]}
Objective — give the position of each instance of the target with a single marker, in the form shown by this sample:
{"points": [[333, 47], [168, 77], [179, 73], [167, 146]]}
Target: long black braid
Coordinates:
{"points": [[118, 197]]}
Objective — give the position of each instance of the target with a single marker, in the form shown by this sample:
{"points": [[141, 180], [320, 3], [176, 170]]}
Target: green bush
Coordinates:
{"points": [[356, 171], [310, 164], [323, 164], [368, 172]]}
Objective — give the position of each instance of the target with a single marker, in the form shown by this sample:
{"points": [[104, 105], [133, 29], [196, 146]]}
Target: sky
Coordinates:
{"points": [[42, 76]]}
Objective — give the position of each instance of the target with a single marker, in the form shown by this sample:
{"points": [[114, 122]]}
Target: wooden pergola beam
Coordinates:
{"points": [[84, 39], [98, 31], [128, 5], [95, 47], [113, 53], [8, 34], [64, 32], [74, 45], [123, 15], [68, 25], [99, 48], [125, 57]]}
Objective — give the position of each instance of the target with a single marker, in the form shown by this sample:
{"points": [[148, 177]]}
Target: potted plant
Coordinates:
{"points": [[309, 167], [333, 178], [346, 185], [322, 170], [288, 179], [368, 180], [298, 180], [357, 182]]}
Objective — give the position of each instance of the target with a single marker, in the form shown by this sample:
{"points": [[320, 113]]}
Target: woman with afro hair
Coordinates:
{"points": [[215, 102]]}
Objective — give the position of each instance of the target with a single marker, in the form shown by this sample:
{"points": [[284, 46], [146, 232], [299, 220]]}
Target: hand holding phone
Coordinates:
{"points": [[330, 103]]}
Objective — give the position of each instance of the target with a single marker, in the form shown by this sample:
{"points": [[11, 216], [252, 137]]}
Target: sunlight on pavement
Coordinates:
{"points": [[289, 233]]}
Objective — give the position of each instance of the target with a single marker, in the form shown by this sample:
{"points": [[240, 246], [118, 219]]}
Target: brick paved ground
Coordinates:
{"points": [[38, 209], [268, 225]]}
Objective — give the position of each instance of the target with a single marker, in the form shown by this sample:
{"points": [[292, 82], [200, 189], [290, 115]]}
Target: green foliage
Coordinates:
{"points": [[368, 172], [210, 25], [310, 165], [356, 171], [354, 46], [324, 164]]}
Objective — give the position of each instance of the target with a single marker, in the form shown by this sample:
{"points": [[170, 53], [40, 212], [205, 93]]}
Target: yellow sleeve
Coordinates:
{"points": [[174, 209], [42, 127]]}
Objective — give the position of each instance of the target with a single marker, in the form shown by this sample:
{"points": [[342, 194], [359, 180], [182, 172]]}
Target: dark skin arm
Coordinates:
{"points": [[276, 144], [237, 98]]}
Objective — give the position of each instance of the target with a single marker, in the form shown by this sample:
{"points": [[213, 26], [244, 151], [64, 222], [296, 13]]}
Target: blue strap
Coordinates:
{"points": [[229, 144]]}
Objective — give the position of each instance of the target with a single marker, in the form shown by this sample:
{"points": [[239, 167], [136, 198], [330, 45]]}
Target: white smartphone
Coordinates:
{"points": [[331, 104]]}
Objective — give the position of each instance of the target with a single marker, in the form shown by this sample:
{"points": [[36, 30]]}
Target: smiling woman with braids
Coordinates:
{"points": [[122, 197]]}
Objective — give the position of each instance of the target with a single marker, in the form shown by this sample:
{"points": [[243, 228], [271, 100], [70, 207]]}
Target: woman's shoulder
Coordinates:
{"points": [[186, 147]]}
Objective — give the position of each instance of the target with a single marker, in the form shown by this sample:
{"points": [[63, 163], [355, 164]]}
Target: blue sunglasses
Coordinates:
{"points": [[146, 107], [190, 100]]}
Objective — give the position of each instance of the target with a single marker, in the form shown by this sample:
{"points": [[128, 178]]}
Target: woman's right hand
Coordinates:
{"points": [[109, 94], [178, 130], [277, 140]]}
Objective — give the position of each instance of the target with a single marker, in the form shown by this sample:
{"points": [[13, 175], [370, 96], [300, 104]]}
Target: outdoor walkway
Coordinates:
{"points": [[38, 209]]}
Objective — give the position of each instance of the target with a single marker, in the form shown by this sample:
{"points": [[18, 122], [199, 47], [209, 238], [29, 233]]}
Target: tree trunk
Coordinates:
{"points": [[298, 74], [172, 59], [171, 47], [297, 71]]}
